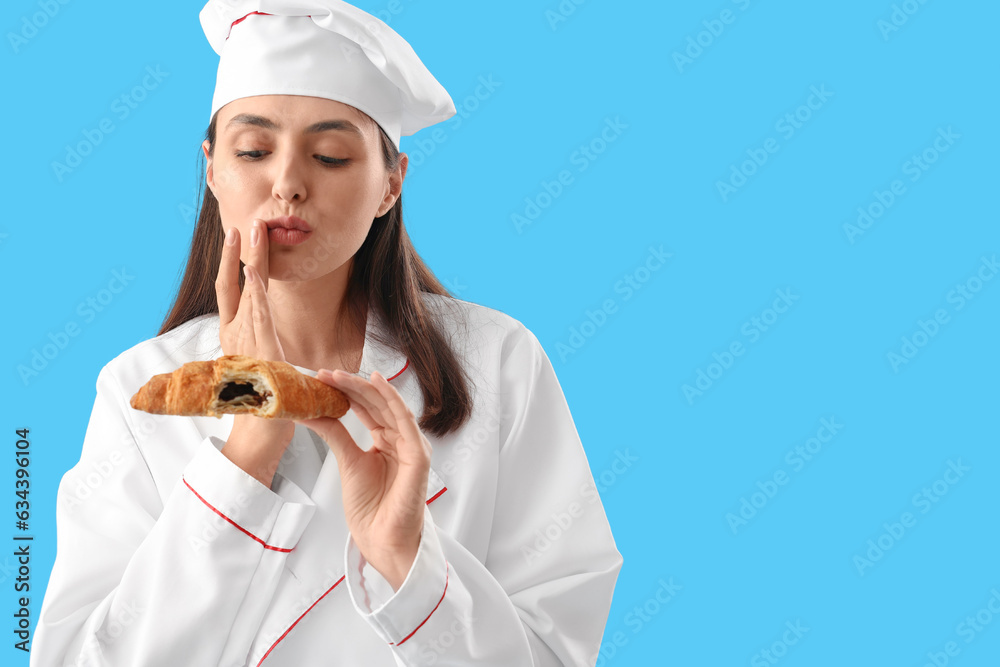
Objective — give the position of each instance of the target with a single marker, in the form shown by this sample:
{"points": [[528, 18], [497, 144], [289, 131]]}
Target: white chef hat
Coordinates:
{"points": [[322, 48]]}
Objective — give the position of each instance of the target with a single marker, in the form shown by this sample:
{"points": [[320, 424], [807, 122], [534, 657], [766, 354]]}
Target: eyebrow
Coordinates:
{"points": [[315, 128]]}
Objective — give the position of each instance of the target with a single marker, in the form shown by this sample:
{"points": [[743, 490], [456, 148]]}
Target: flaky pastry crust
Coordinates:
{"points": [[237, 384]]}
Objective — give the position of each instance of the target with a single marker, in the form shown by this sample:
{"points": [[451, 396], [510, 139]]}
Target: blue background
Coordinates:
{"points": [[129, 206]]}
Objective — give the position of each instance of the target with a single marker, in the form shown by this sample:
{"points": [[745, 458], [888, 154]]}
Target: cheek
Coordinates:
{"points": [[357, 195], [237, 193], [231, 179]]}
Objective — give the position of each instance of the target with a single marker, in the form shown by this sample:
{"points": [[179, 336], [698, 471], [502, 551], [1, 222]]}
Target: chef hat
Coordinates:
{"points": [[322, 48]]}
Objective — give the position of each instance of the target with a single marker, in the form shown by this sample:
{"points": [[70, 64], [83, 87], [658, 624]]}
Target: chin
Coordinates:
{"points": [[299, 269]]}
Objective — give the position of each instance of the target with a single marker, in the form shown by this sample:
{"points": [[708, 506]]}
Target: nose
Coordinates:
{"points": [[289, 183]]}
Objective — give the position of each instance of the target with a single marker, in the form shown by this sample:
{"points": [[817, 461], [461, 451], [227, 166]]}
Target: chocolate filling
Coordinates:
{"points": [[234, 390]]}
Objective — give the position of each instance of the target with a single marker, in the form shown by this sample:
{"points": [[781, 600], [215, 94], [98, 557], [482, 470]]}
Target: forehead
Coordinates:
{"points": [[294, 113]]}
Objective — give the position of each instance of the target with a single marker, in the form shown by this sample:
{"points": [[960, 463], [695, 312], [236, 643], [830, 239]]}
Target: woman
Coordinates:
{"points": [[457, 522]]}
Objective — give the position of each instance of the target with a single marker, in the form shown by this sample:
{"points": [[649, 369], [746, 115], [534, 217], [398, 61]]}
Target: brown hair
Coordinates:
{"points": [[387, 274]]}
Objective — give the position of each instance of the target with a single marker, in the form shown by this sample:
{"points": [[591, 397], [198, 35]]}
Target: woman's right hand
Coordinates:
{"points": [[246, 327]]}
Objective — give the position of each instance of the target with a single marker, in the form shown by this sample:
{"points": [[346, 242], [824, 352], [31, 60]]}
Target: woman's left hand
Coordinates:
{"points": [[384, 488]]}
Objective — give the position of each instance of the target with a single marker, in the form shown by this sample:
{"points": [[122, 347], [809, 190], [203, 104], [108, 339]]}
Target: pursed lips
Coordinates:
{"points": [[287, 230]]}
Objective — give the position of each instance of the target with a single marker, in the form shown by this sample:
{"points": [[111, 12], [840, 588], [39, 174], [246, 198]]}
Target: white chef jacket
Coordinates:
{"points": [[170, 554]]}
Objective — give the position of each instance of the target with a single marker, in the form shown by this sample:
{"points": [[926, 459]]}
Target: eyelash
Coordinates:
{"points": [[253, 156]]}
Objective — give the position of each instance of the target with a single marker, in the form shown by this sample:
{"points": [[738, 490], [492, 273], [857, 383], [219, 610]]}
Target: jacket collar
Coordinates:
{"points": [[379, 357]]}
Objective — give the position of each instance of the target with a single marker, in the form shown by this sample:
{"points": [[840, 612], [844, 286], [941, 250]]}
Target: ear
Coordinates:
{"points": [[394, 186], [209, 173]]}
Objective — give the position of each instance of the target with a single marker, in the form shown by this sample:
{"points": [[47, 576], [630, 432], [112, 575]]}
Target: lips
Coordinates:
{"points": [[288, 222], [287, 230]]}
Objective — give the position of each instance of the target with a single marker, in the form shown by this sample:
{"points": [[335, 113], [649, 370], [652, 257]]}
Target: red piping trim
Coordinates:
{"points": [[241, 528], [242, 19], [447, 568], [437, 495], [277, 641], [400, 371]]}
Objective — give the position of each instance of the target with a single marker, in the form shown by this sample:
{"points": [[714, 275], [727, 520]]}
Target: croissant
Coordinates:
{"points": [[236, 384]]}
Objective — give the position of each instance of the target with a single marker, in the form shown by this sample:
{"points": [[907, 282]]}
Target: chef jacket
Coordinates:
{"points": [[170, 554]]}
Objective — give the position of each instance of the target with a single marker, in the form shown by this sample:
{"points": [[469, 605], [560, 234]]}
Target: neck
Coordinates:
{"points": [[307, 317]]}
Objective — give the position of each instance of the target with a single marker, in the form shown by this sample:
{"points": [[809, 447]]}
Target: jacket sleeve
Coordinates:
{"points": [[140, 582], [543, 594]]}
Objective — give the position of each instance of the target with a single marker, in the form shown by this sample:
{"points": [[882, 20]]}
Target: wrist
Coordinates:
{"points": [[257, 445], [394, 565]]}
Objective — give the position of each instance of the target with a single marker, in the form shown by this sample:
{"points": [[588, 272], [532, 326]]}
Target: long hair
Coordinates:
{"points": [[387, 274]]}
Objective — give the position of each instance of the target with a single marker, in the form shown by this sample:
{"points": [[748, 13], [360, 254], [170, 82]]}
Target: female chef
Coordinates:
{"points": [[457, 522]]}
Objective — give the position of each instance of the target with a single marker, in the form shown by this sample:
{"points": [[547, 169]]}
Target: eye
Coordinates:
{"points": [[250, 155], [332, 161]]}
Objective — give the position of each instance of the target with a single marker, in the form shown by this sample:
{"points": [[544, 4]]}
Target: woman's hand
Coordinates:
{"points": [[245, 327], [384, 488]]}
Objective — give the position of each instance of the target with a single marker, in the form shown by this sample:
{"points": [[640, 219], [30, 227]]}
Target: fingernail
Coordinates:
{"points": [[248, 273], [231, 236], [254, 234]]}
